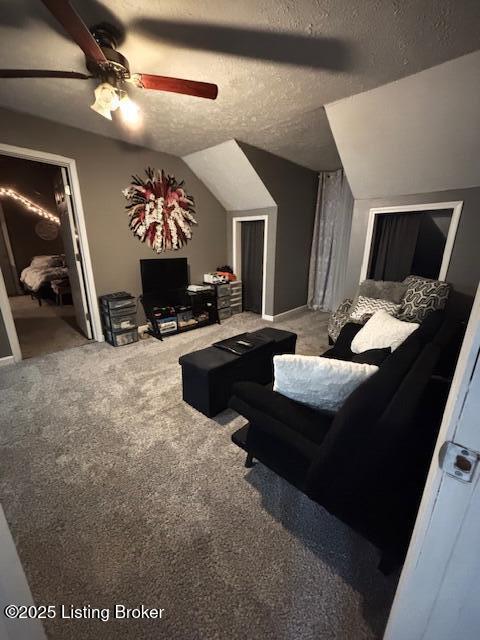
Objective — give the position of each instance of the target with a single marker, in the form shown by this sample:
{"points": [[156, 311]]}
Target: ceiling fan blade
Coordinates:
{"points": [[76, 28], [176, 85], [42, 73]]}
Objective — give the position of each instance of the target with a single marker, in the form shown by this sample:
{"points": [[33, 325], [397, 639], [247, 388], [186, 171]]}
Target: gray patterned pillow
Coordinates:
{"points": [[339, 319], [363, 308], [422, 297]]}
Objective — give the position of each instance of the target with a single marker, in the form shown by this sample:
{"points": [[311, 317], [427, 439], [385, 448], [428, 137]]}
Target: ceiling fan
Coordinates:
{"points": [[109, 66]]}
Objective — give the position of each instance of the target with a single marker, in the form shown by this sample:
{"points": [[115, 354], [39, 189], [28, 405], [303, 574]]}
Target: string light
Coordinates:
{"points": [[31, 206]]}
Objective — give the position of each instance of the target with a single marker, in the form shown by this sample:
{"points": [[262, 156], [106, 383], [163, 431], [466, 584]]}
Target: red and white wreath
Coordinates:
{"points": [[160, 212]]}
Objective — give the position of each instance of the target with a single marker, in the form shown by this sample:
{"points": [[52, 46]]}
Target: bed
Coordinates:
{"points": [[37, 277]]}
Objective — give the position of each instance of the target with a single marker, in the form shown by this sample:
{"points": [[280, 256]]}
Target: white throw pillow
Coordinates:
{"points": [[382, 331], [321, 383], [363, 308]]}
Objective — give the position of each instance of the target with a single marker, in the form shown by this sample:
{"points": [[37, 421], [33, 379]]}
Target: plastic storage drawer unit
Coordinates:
{"points": [[119, 314], [121, 338], [223, 314], [121, 322], [118, 300]]}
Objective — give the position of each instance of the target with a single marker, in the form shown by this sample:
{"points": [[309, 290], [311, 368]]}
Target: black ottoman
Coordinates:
{"points": [[209, 374]]}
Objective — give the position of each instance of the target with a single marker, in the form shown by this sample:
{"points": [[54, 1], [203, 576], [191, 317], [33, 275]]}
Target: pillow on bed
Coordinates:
{"points": [[42, 262], [321, 383]]}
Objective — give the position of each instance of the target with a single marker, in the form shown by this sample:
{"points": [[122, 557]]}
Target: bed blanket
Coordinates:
{"points": [[34, 277]]}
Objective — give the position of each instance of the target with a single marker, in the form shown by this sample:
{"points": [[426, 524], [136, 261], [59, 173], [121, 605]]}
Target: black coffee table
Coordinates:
{"points": [[208, 375]]}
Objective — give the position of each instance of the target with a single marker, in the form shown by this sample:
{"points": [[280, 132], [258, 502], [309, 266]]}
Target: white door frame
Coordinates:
{"points": [[413, 208], [8, 247], [421, 575], [79, 215], [236, 240]]}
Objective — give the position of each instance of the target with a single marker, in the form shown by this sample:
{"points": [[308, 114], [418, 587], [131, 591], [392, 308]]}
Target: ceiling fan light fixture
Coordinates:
{"points": [[130, 111], [106, 100]]}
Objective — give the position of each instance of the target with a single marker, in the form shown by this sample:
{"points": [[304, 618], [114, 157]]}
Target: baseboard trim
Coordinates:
{"points": [[285, 314], [7, 360]]}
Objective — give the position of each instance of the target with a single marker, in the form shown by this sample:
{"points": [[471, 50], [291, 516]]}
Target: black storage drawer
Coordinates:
{"points": [[121, 311], [118, 300], [121, 338], [120, 322]]}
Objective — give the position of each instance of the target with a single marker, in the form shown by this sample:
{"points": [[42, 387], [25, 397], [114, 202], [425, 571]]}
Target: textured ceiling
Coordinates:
{"points": [[313, 52]]}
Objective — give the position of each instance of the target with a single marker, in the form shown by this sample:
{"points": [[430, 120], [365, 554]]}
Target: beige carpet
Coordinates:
{"points": [[117, 492], [44, 329]]}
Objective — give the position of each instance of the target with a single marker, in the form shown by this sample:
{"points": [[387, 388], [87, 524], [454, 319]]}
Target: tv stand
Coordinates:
{"points": [[180, 310]]}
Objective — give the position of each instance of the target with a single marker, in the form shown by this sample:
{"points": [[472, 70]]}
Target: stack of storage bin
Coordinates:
{"points": [[223, 301], [119, 315], [236, 301]]}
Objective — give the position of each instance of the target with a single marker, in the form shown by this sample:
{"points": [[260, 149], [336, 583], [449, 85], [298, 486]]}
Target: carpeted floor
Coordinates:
{"points": [[118, 492], [44, 329]]}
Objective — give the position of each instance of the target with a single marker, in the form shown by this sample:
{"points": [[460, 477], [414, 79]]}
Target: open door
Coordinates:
{"points": [[438, 597], [73, 257]]}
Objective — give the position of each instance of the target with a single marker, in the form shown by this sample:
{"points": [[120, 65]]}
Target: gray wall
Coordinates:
{"points": [[464, 270], [104, 167], [271, 213], [416, 135], [294, 189]]}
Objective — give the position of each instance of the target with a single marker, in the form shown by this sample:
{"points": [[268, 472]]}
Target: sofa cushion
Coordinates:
{"points": [[382, 331], [372, 356], [280, 416], [355, 422], [322, 383], [341, 350], [422, 297], [383, 290], [429, 328]]}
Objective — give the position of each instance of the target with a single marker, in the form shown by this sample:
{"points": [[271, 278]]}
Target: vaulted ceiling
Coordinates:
{"points": [[276, 62]]}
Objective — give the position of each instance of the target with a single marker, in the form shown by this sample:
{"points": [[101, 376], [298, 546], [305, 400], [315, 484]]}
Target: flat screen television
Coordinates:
{"points": [[161, 277]]}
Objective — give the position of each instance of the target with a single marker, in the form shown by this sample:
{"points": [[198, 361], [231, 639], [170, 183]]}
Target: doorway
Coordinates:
{"points": [[250, 259], [410, 240], [252, 265], [47, 297]]}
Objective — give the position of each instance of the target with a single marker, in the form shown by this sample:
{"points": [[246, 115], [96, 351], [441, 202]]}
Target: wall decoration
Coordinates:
{"points": [[161, 213], [47, 230]]}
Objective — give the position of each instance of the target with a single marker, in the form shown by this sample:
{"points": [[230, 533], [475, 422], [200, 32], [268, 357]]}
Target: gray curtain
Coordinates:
{"points": [[252, 265], [394, 246], [331, 238]]}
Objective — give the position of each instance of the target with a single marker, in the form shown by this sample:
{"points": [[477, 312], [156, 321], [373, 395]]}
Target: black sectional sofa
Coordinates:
{"points": [[367, 463]]}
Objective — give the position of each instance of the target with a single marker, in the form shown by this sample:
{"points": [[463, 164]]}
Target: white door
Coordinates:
{"points": [[438, 597], [72, 252]]}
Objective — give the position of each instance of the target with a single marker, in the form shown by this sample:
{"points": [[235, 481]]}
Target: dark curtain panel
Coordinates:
{"points": [[252, 265], [395, 239]]}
